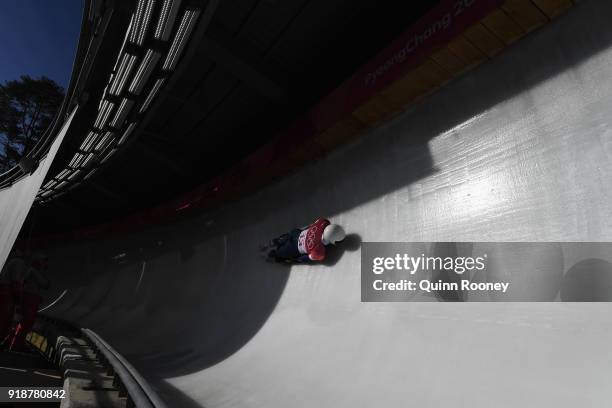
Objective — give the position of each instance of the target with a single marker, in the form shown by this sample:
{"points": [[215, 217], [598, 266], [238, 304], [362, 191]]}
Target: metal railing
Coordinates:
{"points": [[138, 392]]}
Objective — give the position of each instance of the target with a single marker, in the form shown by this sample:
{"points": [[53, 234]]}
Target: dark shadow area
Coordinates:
{"points": [[27, 370], [232, 303], [34, 377], [588, 281], [209, 337], [23, 360], [351, 243]]}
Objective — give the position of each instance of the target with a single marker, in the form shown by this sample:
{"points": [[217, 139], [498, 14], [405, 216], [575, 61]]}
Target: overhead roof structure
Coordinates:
{"points": [[179, 91]]}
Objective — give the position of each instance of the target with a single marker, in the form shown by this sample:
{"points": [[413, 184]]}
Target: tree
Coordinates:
{"points": [[27, 107]]}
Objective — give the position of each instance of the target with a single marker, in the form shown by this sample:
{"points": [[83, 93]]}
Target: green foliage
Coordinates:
{"points": [[27, 108]]}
